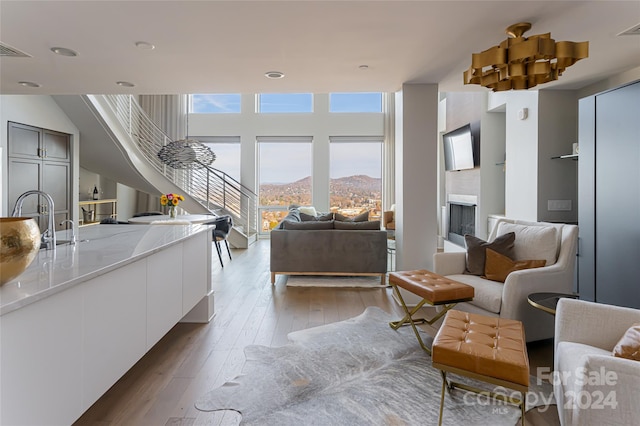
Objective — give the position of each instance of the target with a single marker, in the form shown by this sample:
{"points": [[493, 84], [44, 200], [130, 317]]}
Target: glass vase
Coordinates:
{"points": [[172, 212]]}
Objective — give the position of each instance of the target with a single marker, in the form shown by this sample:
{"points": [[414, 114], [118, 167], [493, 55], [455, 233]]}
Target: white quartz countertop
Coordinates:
{"points": [[107, 247]]}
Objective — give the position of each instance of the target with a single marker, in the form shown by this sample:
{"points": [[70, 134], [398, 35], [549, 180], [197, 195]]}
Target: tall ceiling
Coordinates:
{"points": [[227, 46]]}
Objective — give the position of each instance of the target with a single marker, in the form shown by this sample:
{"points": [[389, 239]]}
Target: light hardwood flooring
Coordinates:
{"points": [[192, 359]]}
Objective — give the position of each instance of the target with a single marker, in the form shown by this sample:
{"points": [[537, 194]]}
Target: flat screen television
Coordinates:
{"points": [[459, 149]]}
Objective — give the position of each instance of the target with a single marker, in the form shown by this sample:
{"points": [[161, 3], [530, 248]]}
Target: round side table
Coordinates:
{"points": [[548, 301]]}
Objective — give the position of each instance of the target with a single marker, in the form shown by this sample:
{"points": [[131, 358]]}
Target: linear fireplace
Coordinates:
{"points": [[462, 218]]}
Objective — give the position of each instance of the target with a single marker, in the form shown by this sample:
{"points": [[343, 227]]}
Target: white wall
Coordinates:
{"points": [[532, 177], [43, 112], [492, 175], [557, 131], [521, 175], [127, 201], [320, 125]]}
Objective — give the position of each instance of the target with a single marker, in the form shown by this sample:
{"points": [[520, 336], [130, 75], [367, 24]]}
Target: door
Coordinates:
{"points": [[609, 197], [617, 196], [39, 159]]}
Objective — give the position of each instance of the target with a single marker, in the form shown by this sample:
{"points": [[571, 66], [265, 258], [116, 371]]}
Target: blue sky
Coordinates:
{"points": [[288, 102]]}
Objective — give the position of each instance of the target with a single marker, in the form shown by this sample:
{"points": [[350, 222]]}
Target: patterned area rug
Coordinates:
{"points": [[333, 281], [354, 372]]}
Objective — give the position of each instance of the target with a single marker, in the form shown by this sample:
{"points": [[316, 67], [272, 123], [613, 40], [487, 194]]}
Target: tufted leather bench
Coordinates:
{"points": [[434, 289], [485, 348]]}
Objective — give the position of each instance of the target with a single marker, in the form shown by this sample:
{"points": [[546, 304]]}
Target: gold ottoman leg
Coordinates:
{"points": [[408, 318]]}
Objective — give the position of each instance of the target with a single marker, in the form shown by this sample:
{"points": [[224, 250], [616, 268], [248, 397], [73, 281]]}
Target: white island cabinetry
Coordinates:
{"points": [[75, 330]]}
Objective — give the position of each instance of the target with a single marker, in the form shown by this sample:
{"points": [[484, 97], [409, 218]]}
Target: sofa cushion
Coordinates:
{"points": [[316, 224], [368, 225], [487, 293], [497, 267], [532, 241], [321, 217], [476, 254], [362, 217], [629, 345]]}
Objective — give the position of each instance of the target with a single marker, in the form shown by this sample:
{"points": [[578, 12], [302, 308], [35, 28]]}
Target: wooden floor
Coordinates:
{"points": [[194, 358]]}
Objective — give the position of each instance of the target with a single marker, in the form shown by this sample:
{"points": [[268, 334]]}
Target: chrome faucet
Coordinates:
{"points": [[73, 230], [48, 237]]}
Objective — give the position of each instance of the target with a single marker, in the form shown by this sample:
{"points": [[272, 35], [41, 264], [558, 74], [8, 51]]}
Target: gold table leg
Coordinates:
{"points": [[409, 320]]}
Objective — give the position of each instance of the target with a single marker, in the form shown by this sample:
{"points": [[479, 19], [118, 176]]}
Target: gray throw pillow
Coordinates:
{"points": [[476, 251], [361, 226], [310, 225]]}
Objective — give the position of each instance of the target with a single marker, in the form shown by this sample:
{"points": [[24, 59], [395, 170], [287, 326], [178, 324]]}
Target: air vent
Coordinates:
{"points": [[6, 50], [635, 30]]}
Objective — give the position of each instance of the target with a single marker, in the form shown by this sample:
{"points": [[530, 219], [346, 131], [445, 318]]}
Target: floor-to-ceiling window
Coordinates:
{"points": [[227, 152], [356, 161], [346, 128], [285, 170], [356, 176]]}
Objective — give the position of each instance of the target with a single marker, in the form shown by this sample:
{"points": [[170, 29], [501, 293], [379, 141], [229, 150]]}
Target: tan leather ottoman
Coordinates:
{"points": [[484, 348], [434, 289]]}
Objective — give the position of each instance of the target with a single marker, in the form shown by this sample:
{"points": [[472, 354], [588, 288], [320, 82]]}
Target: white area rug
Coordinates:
{"points": [[333, 281], [354, 372]]}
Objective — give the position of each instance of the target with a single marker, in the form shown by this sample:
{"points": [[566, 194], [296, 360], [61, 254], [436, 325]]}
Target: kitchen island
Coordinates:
{"points": [[80, 316]]}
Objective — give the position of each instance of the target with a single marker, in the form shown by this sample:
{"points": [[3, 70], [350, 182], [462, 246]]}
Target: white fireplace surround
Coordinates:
{"points": [[459, 198]]}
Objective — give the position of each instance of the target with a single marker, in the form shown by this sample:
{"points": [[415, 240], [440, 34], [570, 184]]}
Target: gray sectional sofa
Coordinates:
{"points": [[320, 245]]}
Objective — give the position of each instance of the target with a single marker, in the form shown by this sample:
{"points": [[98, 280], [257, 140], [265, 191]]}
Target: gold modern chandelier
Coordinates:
{"points": [[520, 63]]}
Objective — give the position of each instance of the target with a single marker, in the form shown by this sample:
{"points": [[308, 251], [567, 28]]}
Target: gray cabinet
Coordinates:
{"points": [[609, 197], [39, 159]]}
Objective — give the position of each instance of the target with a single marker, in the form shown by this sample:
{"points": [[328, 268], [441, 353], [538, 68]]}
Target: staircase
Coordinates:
{"points": [[117, 122]]}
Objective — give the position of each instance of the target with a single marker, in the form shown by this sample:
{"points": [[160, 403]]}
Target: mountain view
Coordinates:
{"points": [[348, 195]]}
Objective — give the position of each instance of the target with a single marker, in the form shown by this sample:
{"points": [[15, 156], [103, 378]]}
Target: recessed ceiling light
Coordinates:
{"points": [[125, 84], [274, 74], [144, 45], [63, 51], [29, 84], [364, 67]]}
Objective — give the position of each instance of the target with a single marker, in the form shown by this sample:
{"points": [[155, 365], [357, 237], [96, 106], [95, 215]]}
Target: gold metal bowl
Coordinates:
{"points": [[19, 244]]}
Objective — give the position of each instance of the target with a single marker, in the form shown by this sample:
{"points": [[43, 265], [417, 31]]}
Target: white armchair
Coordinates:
{"points": [[591, 386], [509, 299]]}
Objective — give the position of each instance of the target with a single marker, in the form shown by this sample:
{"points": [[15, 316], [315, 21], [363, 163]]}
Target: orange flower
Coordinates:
{"points": [[171, 199]]}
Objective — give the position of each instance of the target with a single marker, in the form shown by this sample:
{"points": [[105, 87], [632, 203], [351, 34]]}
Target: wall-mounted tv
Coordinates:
{"points": [[460, 149]]}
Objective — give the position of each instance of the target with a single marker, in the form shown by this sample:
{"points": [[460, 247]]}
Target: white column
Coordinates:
{"points": [[389, 151], [416, 176]]}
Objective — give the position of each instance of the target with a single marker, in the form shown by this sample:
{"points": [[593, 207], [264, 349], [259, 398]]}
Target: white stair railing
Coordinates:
{"points": [[212, 188]]}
